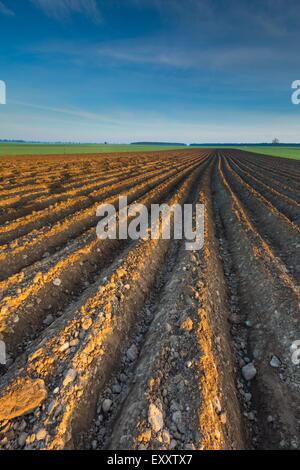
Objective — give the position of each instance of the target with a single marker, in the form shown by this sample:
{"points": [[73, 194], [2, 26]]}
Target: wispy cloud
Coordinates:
{"points": [[62, 9], [214, 57], [153, 52], [83, 114], [4, 10], [267, 18], [245, 127]]}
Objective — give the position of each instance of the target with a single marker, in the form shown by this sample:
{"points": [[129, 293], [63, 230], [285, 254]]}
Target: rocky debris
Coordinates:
{"points": [[57, 282], [249, 371], [132, 353], [217, 405], [155, 418], [22, 439], [70, 377], [48, 320], [173, 444], [187, 324], [275, 362], [106, 405], [166, 438], [21, 398], [64, 347], [87, 323], [41, 434], [177, 420], [117, 388]]}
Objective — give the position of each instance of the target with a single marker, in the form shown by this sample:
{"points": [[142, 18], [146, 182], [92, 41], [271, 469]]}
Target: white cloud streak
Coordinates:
{"points": [[4, 10], [77, 113], [250, 128], [62, 9], [168, 55]]}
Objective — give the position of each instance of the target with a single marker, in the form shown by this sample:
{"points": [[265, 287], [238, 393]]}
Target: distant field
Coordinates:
{"points": [[285, 152], [50, 149]]}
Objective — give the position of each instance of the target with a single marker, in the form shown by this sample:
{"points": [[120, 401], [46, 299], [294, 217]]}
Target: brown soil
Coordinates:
{"points": [[142, 344]]}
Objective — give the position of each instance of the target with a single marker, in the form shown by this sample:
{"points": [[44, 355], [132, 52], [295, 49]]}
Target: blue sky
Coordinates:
{"points": [[171, 70]]}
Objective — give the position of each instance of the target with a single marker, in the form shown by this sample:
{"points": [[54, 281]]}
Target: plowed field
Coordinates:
{"points": [[141, 344]]}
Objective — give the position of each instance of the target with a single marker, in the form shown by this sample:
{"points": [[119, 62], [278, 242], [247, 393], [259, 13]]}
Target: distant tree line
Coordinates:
{"points": [[159, 143]]}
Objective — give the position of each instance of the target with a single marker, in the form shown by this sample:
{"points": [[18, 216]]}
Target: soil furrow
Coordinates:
{"points": [[178, 358], [103, 319], [39, 299], [267, 314], [275, 232], [280, 201], [24, 251]]}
